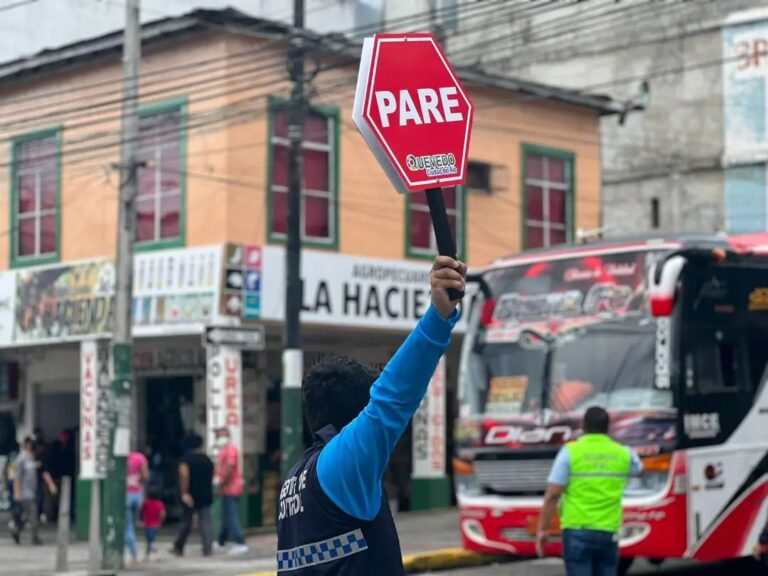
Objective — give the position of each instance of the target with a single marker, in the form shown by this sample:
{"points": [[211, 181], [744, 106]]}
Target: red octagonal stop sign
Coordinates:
{"points": [[412, 111]]}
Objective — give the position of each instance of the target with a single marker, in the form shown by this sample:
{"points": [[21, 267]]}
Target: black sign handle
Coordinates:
{"points": [[445, 244]]}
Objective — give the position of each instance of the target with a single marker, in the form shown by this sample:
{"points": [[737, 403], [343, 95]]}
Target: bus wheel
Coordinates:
{"points": [[624, 565]]}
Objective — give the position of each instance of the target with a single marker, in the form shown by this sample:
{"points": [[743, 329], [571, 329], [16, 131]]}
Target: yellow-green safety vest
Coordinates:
{"points": [[599, 472]]}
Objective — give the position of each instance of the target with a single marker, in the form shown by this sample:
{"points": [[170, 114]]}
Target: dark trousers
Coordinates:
{"points": [[590, 553], [23, 512], [230, 521], [206, 533]]}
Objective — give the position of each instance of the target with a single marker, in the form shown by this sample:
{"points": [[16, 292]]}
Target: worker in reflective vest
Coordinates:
{"points": [[333, 517], [589, 475]]}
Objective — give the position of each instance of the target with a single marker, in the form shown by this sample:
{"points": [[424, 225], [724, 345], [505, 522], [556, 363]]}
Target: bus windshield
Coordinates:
{"points": [[604, 342]]}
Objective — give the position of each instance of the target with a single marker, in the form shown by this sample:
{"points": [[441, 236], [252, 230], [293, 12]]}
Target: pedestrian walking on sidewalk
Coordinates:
{"points": [[589, 475], [196, 490], [25, 492], [229, 478], [153, 516], [137, 474], [333, 516]]}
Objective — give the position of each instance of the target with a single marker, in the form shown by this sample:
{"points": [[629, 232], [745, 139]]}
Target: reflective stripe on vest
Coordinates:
{"points": [[599, 471]]}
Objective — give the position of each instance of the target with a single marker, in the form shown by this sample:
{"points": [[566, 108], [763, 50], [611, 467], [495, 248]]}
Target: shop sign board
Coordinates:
{"points": [[177, 287], [429, 442], [172, 287], [241, 296], [95, 405], [59, 302], [350, 291], [224, 395], [250, 338]]}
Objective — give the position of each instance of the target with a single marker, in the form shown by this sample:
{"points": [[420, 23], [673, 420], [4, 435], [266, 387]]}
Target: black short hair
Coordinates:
{"points": [[195, 441], [335, 391], [153, 492], [596, 421], [29, 442]]}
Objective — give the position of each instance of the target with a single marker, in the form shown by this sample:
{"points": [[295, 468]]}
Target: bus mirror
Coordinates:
{"points": [[662, 285]]}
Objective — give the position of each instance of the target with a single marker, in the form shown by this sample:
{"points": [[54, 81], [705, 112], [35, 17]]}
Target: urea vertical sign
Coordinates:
{"points": [[413, 112]]}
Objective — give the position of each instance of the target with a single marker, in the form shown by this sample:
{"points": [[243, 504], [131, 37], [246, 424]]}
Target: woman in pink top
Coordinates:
{"points": [[136, 474]]}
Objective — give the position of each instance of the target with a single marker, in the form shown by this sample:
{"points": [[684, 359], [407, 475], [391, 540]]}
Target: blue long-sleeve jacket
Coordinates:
{"points": [[351, 466]]}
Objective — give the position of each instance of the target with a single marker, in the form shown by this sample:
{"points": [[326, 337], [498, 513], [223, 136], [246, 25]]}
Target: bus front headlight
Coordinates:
{"points": [[465, 478], [654, 477]]}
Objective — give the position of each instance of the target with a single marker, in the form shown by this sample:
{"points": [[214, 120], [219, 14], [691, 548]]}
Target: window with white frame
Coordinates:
{"points": [[160, 197], [35, 198], [548, 192], [318, 202]]}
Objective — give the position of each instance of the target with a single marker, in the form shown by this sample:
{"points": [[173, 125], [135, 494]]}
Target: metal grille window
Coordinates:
{"points": [[548, 190], [35, 198], [318, 199], [421, 237], [160, 198]]}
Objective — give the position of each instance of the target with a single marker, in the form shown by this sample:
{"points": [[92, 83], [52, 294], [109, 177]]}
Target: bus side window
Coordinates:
{"points": [[713, 366], [728, 365]]}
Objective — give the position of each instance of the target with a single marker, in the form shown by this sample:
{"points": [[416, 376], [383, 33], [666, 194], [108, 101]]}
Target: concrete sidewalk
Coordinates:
{"points": [[428, 539]]}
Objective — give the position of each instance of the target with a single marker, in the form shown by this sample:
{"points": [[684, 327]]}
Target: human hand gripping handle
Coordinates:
{"points": [[447, 278]]}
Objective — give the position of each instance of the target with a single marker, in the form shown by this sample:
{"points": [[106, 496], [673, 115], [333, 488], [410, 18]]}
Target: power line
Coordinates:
{"points": [[559, 27], [163, 72], [86, 110]]}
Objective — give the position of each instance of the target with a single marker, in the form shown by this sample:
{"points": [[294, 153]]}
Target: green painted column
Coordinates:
{"points": [[82, 508], [430, 493]]}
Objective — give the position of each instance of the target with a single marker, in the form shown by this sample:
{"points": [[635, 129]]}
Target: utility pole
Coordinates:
{"points": [[291, 438], [113, 518]]}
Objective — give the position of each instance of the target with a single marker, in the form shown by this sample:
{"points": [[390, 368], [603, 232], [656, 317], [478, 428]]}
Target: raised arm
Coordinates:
{"points": [[350, 467]]}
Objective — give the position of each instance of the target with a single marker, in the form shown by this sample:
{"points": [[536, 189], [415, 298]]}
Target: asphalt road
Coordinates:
{"points": [[554, 567]]}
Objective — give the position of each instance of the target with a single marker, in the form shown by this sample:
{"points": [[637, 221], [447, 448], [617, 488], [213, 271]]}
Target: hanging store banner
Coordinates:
{"points": [[225, 396], [350, 290], [429, 429], [95, 394]]}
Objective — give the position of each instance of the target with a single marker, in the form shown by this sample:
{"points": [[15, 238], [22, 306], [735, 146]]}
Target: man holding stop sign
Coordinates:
{"points": [[333, 515]]}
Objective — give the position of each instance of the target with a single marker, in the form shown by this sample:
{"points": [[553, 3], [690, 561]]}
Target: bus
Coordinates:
{"points": [[670, 335]]}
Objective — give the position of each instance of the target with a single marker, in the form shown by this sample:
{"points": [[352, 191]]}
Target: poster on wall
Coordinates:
{"points": [[429, 429], [745, 73], [176, 286], [95, 394], [224, 393], [745, 122], [64, 301]]}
